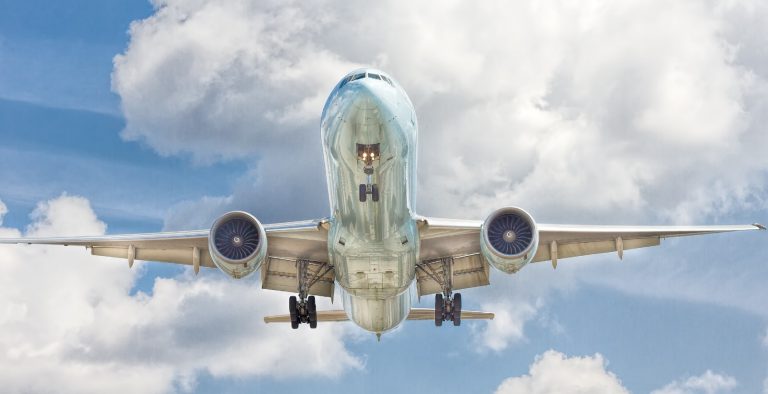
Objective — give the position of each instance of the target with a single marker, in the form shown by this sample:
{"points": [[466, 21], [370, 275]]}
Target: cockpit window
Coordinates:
{"points": [[363, 75]]}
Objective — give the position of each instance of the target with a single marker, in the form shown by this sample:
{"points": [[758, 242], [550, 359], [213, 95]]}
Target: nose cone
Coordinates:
{"points": [[367, 93], [366, 109]]}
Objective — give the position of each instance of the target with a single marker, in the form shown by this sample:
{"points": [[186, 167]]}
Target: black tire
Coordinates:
{"points": [[375, 193], [293, 310], [363, 193], [439, 308], [312, 311], [456, 309]]}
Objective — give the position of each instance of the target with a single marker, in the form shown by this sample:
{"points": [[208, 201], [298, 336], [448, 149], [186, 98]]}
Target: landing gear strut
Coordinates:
{"points": [[447, 303], [303, 309]]}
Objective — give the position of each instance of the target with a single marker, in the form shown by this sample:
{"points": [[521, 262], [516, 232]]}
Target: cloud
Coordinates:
{"points": [[708, 383], [536, 105], [554, 372], [507, 327], [226, 79], [630, 112], [3, 211], [72, 318]]}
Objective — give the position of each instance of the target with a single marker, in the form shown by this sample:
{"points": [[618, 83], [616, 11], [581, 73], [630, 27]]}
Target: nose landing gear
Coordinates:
{"points": [[368, 153], [366, 189]]}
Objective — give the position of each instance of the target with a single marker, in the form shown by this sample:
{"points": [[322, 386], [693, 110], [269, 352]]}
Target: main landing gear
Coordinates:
{"points": [[447, 309], [302, 308], [303, 311], [447, 303], [368, 153]]}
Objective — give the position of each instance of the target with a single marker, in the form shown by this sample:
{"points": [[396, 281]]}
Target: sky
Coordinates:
{"points": [[125, 116]]}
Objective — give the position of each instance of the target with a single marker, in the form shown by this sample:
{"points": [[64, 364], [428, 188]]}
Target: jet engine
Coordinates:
{"points": [[509, 239], [238, 244]]}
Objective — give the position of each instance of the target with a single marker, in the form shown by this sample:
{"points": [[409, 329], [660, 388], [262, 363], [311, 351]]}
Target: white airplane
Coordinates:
{"points": [[374, 245]]}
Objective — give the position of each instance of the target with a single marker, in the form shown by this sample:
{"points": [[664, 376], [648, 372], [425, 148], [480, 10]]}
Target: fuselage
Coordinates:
{"points": [[369, 134]]}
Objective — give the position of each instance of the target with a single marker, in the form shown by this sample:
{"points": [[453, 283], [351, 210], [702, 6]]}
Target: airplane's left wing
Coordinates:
{"points": [[453, 246], [287, 245]]}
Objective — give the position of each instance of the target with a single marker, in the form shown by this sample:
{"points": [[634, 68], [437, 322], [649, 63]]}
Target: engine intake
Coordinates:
{"points": [[238, 244], [509, 239]]}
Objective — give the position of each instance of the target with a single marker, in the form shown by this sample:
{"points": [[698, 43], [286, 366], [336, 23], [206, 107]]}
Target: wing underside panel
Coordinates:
{"points": [[462, 272], [282, 274]]}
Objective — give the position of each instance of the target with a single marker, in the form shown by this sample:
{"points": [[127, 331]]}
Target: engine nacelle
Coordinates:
{"points": [[238, 244], [509, 239]]}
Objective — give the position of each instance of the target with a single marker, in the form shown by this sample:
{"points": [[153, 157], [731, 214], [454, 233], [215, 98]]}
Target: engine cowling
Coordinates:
{"points": [[509, 239], [237, 244]]}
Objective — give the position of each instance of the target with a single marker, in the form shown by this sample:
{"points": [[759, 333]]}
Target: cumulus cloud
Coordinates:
{"points": [[574, 111], [507, 327], [72, 318], [631, 112], [3, 211], [554, 372], [706, 383]]}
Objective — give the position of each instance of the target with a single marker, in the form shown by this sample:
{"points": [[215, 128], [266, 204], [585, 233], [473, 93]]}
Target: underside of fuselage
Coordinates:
{"points": [[369, 139]]}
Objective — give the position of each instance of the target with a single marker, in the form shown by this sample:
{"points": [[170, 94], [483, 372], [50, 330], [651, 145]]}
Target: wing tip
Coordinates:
{"points": [[759, 226]]}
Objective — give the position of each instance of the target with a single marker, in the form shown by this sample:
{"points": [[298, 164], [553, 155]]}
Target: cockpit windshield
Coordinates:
{"points": [[355, 77]]}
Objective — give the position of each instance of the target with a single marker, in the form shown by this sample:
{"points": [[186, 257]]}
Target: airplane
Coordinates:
{"points": [[373, 245]]}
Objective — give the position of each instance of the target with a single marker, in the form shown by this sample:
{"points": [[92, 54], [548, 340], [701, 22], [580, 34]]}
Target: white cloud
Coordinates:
{"points": [[518, 300], [3, 211], [224, 79], [707, 383], [554, 372], [536, 105], [70, 317], [507, 327], [618, 112]]}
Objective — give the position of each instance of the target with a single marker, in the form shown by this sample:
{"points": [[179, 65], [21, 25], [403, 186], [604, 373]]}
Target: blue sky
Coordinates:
{"points": [[632, 113]]}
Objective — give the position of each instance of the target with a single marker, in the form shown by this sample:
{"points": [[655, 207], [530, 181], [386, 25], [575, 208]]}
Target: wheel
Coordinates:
{"points": [[375, 193], [312, 311], [363, 193], [456, 309], [439, 308], [293, 310]]}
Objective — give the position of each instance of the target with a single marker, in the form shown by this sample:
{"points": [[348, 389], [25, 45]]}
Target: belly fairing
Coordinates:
{"points": [[377, 315]]}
